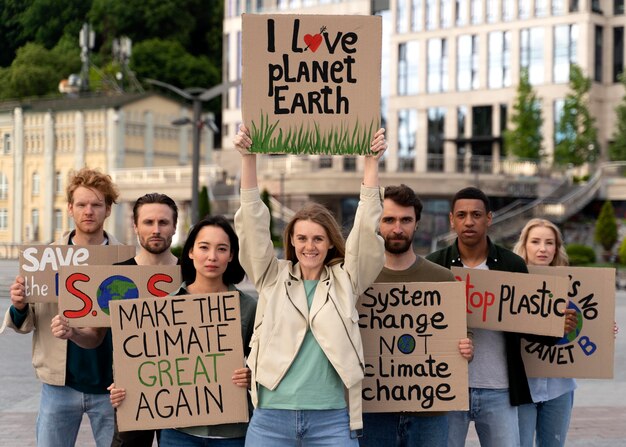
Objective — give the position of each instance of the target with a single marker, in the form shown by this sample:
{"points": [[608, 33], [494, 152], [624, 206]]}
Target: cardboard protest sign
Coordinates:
{"points": [[39, 265], [175, 357], [588, 351], [411, 336], [514, 302], [85, 292], [311, 83]]}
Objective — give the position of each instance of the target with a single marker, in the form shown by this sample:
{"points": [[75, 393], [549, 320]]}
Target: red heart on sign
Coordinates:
{"points": [[313, 42]]}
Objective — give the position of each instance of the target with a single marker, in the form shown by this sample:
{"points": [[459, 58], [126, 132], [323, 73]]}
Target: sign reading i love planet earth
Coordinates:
{"points": [[311, 83]]}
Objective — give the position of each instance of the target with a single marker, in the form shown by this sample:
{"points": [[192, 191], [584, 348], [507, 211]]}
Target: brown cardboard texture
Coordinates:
{"points": [[411, 336], [175, 357], [39, 265], [85, 292], [589, 350], [311, 83], [514, 302]]}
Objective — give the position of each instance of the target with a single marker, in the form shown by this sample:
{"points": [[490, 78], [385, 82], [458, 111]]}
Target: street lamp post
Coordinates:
{"points": [[197, 96]]}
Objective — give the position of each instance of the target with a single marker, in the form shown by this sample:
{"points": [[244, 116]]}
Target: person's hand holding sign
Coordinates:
{"points": [[60, 327], [571, 320], [18, 295], [117, 395], [242, 377], [466, 349]]}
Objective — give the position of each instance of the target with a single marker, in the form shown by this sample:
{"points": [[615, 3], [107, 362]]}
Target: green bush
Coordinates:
{"points": [[580, 254], [176, 250], [622, 252]]}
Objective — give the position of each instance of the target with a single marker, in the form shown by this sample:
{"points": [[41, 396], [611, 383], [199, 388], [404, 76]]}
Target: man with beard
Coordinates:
{"points": [[401, 214], [74, 377], [154, 221]]}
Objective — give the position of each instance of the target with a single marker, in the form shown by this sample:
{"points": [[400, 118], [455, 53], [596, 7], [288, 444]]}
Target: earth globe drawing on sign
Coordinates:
{"points": [[406, 344], [573, 335], [116, 287]]}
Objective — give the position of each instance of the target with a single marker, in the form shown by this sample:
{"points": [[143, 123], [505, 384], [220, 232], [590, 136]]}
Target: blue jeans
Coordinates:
{"points": [[300, 428], [493, 415], [549, 419], [404, 430], [61, 411], [177, 438]]}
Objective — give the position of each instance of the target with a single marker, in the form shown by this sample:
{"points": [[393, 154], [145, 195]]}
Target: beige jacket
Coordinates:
{"points": [[283, 317], [49, 352]]}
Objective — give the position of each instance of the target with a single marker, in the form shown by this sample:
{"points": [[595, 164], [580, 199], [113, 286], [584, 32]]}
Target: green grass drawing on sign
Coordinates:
{"points": [[303, 139]]}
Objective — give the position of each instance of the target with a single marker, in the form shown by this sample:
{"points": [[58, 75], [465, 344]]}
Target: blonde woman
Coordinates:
{"points": [[546, 420]]}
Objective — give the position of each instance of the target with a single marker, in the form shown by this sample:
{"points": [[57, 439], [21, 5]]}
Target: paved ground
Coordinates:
{"points": [[598, 420]]}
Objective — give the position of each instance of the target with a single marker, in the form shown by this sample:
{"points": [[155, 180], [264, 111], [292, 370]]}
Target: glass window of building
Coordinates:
{"points": [[596, 7], [531, 53], [349, 164], [565, 49], [618, 52], [597, 76], [573, 6], [558, 7], [407, 131], [408, 61], [58, 219], [6, 143], [541, 8], [618, 7], [476, 11], [436, 128], [437, 77], [4, 218], [467, 63], [558, 112], [417, 18], [461, 12], [461, 117], [34, 221], [401, 20], [499, 59], [35, 183], [523, 10], [446, 13], [4, 186], [58, 183], [508, 10], [482, 121], [432, 19], [492, 10]]}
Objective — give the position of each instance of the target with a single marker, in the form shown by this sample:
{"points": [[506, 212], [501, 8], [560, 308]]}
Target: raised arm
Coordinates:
{"points": [[370, 167], [248, 161]]}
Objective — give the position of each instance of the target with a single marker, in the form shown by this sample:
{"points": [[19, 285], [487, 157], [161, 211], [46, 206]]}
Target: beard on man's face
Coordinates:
{"points": [[398, 244]]}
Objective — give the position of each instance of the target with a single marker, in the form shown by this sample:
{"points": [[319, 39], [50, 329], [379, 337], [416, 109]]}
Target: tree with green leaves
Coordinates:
{"points": [[577, 136], [525, 139], [606, 229], [204, 204], [617, 149]]}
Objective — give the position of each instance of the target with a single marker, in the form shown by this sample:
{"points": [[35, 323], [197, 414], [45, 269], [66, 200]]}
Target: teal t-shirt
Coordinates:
{"points": [[311, 383]]}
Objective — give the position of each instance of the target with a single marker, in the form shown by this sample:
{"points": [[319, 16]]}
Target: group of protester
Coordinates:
{"points": [[301, 337]]}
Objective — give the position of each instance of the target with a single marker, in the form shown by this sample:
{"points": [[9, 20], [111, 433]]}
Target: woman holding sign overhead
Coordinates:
{"points": [[306, 349], [210, 264], [547, 418]]}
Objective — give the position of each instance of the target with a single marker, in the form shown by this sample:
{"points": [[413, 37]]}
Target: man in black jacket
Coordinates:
{"points": [[497, 378]]}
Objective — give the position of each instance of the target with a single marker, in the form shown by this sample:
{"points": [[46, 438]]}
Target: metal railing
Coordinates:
{"points": [[557, 209]]}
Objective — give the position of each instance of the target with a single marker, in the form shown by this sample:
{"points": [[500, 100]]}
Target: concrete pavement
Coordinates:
{"points": [[598, 419]]}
